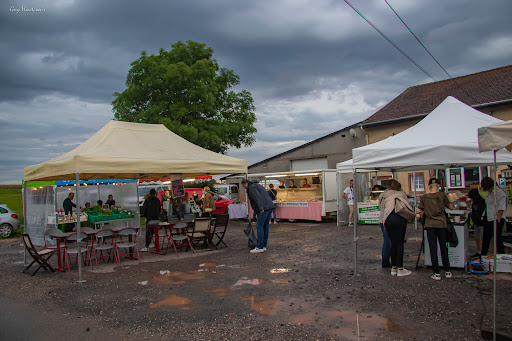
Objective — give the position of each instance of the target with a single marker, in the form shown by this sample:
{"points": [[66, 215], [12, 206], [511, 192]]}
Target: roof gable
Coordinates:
{"points": [[476, 89]]}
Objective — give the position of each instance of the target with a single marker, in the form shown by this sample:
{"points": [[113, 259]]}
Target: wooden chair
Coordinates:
{"points": [[40, 257], [201, 231], [219, 230]]}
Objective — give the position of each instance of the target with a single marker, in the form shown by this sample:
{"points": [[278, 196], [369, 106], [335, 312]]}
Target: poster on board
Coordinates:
{"points": [[177, 188]]}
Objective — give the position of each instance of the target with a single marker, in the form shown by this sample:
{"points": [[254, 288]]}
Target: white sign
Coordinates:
{"points": [[292, 204], [368, 213], [456, 255]]}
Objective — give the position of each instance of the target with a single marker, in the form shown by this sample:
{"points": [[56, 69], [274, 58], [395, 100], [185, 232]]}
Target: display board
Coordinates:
{"points": [[368, 213], [177, 188], [457, 255]]}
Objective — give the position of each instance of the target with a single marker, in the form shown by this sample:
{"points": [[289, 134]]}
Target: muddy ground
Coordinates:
{"points": [[302, 288]]}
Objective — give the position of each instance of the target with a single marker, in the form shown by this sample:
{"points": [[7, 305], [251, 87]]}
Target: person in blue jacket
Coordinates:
{"points": [[260, 203]]}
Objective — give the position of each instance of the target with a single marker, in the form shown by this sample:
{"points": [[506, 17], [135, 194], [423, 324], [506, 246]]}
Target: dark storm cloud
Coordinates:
{"points": [[312, 66]]}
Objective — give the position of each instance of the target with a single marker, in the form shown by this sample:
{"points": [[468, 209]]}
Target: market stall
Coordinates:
{"points": [[430, 144], [311, 202], [125, 150]]}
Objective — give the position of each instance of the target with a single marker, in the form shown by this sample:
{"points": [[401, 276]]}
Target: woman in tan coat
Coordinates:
{"points": [[208, 202], [395, 225]]}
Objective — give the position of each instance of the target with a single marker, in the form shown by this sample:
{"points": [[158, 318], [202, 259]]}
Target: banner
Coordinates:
{"points": [[368, 213], [292, 204]]}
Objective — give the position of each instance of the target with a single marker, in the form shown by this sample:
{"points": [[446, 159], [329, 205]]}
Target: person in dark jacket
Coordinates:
{"points": [[68, 210], [260, 203], [477, 212], [151, 210]]}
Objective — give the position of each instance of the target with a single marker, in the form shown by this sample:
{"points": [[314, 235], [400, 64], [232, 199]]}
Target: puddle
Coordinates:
{"points": [[208, 265], [219, 292], [279, 271], [182, 303], [343, 324], [249, 282], [175, 278], [264, 307], [281, 281]]}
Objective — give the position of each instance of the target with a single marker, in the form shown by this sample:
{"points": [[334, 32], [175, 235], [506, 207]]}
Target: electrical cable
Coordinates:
{"points": [[390, 41], [424, 47]]}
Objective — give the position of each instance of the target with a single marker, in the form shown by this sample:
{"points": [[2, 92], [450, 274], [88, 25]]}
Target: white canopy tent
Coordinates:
{"points": [[493, 138], [445, 138], [125, 150]]}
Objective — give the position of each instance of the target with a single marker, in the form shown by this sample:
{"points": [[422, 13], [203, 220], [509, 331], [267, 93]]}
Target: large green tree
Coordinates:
{"points": [[186, 90]]}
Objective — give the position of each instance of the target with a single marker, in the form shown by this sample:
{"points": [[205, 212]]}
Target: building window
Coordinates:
{"points": [[264, 166], [420, 183]]}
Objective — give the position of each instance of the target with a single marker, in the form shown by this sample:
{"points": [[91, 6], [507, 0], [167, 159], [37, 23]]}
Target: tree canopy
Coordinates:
{"points": [[186, 90]]}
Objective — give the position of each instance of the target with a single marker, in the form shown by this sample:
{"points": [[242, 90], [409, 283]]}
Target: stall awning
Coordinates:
{"points": [[495, 137]]}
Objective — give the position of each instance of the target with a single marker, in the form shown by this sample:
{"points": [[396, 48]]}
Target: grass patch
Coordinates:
{"points": [[13, 199]]}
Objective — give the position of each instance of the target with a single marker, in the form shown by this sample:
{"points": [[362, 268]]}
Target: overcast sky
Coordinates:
{"points": [[312, 66]]}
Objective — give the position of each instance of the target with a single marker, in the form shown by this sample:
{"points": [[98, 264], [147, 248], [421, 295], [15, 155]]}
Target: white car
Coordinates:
{"points": [[8, 221]]}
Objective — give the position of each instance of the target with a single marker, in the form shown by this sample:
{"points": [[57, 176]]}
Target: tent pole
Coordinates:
{"points": [[78, 225], [354, 199], [24, 220], [495, 238], [415, 204], [338, 184]]}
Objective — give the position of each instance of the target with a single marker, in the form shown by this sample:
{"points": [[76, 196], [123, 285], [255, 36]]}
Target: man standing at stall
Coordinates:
{"points": [[260, 203], [151, 210], [493, 214], [68, 210], [348, 195]]}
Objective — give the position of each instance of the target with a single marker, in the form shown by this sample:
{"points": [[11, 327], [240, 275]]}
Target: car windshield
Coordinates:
{"points": [[222, 190]]}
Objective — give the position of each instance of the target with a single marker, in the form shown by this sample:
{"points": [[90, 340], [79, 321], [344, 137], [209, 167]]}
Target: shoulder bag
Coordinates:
{"points": [[404, 210]]}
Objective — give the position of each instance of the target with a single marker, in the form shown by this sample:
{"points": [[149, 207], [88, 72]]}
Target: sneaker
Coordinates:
{"points": [[264, 249], [350, 224], [144, 249], [403, 272], [394, 270], [436, 277], [275, 222], [448, 274], [152, 246], [257, 250]]}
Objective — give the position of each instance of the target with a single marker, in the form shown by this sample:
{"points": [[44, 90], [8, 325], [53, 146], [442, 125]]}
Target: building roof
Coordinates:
{"points": [[304, 145], [478, 89]]}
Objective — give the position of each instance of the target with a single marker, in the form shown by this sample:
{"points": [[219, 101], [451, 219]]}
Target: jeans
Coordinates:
{"points": [[262, 227], [386, 247], [488, 234], [433, 234], [396, 227], [273, 214]]}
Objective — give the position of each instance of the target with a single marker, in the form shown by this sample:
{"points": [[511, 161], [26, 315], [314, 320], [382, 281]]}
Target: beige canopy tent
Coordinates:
{"points": [[125, 150]]}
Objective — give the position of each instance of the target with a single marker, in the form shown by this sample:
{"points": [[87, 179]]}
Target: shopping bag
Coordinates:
{"points": [[403, 209], [249, 232]]}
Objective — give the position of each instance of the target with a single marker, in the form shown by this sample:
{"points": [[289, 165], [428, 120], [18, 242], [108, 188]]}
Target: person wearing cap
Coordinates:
{"points": [[433, 205], [477, 212], [493, 214]]}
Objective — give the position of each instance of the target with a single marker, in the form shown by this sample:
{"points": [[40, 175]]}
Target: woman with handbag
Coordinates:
{"points": [[273, 196], [395, 226], [208, 202], [433, 205]]}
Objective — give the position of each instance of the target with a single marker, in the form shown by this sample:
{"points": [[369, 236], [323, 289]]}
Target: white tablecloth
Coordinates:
{"points": [[237, 211]]}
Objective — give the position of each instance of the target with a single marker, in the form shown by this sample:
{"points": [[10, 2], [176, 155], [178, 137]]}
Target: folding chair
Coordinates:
{"points": [[130, 245], [219, 229], [189, 217], [41, 257], [201, 231], [180, 238], [71, 248], [103, 241]]}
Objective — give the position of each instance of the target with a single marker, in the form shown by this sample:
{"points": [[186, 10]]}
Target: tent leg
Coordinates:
{"points": [[78, 225], [338, 184], [354, 198], [24, 220], [415, 203], [495, 242]]}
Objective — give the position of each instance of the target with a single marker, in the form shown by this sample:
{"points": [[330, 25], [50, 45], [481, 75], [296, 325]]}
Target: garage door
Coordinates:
{"points": [[309, 164]]}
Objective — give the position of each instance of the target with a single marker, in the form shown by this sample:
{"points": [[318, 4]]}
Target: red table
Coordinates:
{"points": [[156, 237]]}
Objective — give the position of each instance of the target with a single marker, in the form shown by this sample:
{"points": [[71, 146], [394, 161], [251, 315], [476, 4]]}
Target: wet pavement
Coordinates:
{"points": [[301, 288]]}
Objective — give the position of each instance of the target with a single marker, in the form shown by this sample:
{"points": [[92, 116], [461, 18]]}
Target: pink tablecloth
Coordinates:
{"points": [[313, 211]]}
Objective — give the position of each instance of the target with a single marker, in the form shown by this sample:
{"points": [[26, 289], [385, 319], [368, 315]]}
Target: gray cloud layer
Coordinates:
{"points": [[313, 66]]}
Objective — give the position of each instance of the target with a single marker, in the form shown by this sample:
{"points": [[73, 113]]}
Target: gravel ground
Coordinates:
{"points": [[302, 288]]}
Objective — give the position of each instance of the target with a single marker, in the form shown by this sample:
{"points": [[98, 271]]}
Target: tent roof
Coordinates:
{"points": [[495, 137], [125, 150], [446, 138]]}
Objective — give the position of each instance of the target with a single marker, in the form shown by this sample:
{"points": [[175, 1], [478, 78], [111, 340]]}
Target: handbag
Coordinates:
{"points": [[453, 240], [404, 210]]}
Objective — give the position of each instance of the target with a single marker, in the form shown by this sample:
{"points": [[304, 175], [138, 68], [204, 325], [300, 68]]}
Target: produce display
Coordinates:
{"points": [[95, 216]]}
